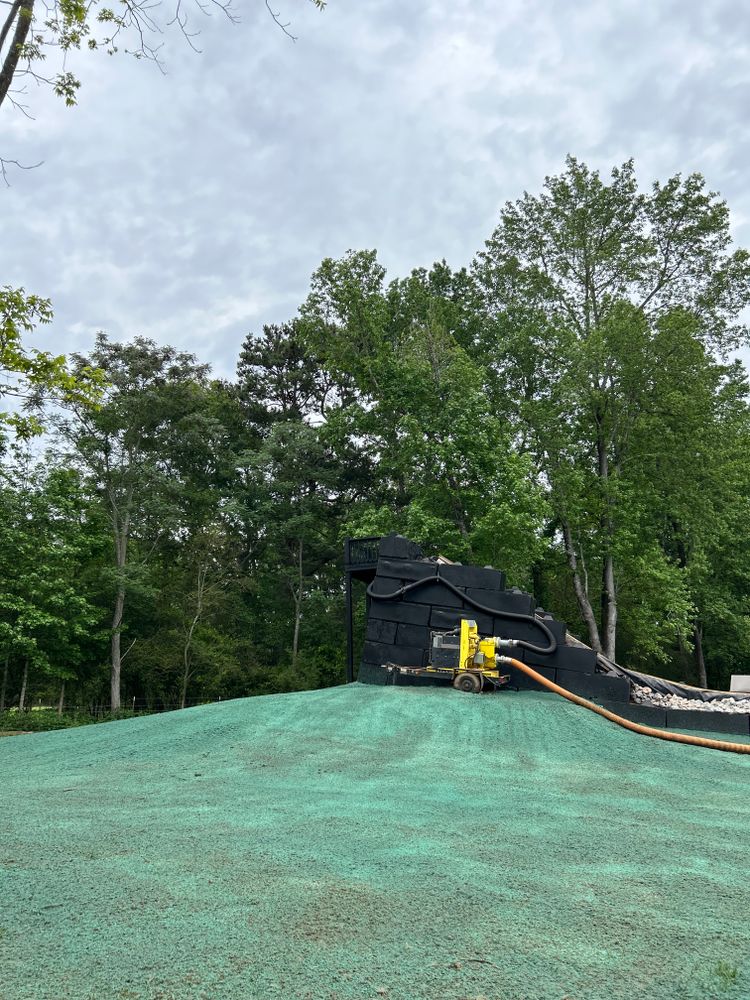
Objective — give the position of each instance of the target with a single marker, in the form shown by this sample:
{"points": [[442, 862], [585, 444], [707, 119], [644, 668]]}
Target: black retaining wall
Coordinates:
{"points": [[398, 632]]}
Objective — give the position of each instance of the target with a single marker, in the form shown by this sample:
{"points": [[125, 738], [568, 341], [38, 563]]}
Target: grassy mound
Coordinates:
{"points": [[367, 842]]}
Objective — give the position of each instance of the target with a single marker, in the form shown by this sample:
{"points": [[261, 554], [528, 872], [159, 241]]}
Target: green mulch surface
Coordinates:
{"points": [[367, 842]]}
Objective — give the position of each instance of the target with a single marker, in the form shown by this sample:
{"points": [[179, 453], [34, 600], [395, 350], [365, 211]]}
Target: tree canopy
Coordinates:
{"points": [[567, 408]]}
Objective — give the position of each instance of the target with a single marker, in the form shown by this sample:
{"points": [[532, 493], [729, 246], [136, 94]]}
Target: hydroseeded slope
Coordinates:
{"points": [[367, 842]]}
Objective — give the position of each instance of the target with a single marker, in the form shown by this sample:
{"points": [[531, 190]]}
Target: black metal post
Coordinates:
{"points": [[349, 630]]}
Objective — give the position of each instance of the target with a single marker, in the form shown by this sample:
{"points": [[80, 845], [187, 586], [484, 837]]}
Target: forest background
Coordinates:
{"points": [[568, 408]]}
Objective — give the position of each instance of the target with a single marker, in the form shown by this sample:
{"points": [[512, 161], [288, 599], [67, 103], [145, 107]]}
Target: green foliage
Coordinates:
{"points": [[41, 720], [423, 413], [32, 376], [46, 618], [605, 306], [46, 719], [152, 453], [563, 410]]}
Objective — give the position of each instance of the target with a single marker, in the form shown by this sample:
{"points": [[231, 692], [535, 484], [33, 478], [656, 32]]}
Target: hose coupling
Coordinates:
{"points": [[506, 643]]}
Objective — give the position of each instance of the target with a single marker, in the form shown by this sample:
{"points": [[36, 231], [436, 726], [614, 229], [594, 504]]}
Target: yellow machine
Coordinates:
{"points": [[463, 657]]}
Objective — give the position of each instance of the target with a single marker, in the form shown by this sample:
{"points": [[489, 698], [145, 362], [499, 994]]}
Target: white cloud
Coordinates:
{"points": [[193, 207]]}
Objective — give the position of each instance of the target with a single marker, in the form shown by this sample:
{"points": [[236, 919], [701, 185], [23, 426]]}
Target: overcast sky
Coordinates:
{"points": [[193, 207]]}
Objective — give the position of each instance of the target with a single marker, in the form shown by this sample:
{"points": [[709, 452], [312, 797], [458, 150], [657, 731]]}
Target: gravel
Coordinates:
{"points": [[645, 696]]}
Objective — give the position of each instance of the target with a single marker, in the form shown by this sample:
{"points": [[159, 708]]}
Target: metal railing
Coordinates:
{"points": [[361, 553]]}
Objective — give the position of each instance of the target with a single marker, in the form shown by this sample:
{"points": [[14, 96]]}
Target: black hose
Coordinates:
{"points": [[495, 612]]}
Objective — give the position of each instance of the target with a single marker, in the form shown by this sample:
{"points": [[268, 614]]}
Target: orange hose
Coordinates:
{"points": [[659, 734]]}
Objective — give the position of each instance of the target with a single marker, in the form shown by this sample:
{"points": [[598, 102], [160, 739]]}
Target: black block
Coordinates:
{"points": [[398, 611], [564, 658], [509, 629], [594, 686], [397, 547], [716, 722], [381, 631], [433, 593], [522, 681], [646, 715], [474, 576], [405, 656], [406, 569], [503, 600], [385, 585], [447, 618], [370, 673], [413, 635]]}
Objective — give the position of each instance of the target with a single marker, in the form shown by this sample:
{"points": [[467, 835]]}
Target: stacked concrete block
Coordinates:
{"points": [[398, 630], [708, 721]]}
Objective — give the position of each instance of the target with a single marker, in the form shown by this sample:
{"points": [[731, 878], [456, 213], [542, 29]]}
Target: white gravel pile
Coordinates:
{"points": [[645, 696]]}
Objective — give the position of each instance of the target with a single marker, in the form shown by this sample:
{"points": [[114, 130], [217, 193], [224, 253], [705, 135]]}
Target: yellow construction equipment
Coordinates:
{"points": [[463, 657]]}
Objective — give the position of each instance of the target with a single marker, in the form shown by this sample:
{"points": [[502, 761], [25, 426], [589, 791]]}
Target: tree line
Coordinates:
{"points": [[568, 408]]}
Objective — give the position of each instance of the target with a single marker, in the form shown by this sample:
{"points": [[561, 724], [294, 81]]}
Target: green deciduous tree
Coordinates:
{"points": [[440, 453], [30, 377], [580, 284], [564, 409], [47, 619], [136, 450], [295, 482], [694, 480], [297, 510]]}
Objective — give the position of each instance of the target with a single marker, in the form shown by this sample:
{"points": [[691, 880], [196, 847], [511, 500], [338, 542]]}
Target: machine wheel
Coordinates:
{"points": [[468, 682]]}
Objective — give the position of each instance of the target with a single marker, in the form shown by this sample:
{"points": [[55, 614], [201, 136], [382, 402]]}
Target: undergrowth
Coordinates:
{"points": [[40, 720]]}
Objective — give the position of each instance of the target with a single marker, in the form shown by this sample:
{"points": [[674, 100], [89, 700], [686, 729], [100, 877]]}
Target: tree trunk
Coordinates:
{"points": [[4, 686], [22, 13], [537, 584], [186, 649], [609, 604], [699, 660], [121, 532], [460, 513], [186, 662], [609, 590], [297, 611], [24, 685], [584, 604], [116, 651], [61, 701], [185, 679]]}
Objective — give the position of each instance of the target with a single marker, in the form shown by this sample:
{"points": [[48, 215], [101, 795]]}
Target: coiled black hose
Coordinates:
{"points": [[495, 612]]}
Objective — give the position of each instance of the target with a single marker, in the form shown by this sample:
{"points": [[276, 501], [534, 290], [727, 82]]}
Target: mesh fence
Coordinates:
{"points": [[372, 842]]}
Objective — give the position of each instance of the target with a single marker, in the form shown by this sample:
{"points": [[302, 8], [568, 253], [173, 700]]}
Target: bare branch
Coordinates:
{"points": [[29, 29], [276, 15], [128, 649], [4, 164]]}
